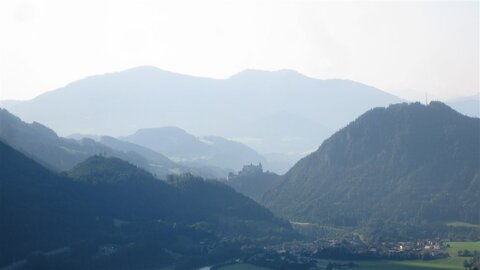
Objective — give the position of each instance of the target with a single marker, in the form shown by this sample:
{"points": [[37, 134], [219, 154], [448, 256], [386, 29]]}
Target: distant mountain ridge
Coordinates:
{"points": [[232, 108], [43, 144], [61, 154], [408, 163], [181, 146], [157, 162], [469, 106], [8, 103]]}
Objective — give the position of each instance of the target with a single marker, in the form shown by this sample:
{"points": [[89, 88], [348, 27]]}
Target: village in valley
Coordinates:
{"points": [[342, 254]]}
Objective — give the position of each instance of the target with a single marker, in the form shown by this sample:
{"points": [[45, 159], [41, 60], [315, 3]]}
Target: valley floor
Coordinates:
{"points": [[454, 262]]}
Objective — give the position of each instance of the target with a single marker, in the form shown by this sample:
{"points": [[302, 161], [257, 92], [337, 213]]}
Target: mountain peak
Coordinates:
{"points": [[161, 132], [255, 74], [436, 109], [147, 69]]}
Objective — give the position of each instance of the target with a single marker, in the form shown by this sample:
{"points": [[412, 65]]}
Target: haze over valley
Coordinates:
{"points": [[227, 135], [420, 161]]}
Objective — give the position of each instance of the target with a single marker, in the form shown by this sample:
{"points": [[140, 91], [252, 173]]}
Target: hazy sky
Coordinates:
{"points": [[407, 48]]}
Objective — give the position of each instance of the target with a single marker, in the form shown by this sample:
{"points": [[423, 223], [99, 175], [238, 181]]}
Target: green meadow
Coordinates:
{"points": [[462, 224], [454, 262]]}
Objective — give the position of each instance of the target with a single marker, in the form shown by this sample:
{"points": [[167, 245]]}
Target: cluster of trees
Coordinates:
{"points": [[284, 261], [468, 253], [473, 263]]}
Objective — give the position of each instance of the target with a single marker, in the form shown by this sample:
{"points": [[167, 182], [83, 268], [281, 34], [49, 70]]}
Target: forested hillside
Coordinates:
{"points": [[405, 164], [108, 214]]}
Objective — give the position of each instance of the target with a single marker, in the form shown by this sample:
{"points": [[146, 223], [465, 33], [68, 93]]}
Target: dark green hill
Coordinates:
{"points": [[33, 210], [98, 169], [109, 214], [405, 164]]}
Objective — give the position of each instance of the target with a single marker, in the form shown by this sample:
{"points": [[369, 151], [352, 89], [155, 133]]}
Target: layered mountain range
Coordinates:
{"points": [[182, 147], [211, 157], [280, 112]]}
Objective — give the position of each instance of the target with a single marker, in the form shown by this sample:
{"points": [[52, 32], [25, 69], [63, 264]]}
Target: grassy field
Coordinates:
{"points": [[396, 265], [451, 263], [462, 224]]}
